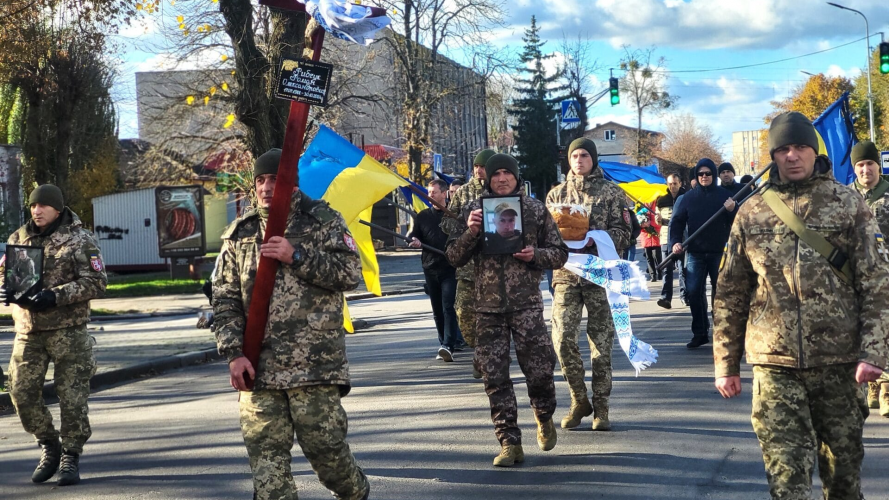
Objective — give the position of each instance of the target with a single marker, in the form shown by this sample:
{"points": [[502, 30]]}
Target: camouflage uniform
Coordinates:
{"points": [[508, 303], [302, 371], [73, 270], [466, 194], [804, 330], [605, 204], [879, 206]]}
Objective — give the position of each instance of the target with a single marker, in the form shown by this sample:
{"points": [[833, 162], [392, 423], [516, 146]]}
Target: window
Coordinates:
{"points": [[609, 135]]}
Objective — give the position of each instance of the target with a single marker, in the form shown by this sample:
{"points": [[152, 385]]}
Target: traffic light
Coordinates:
{"points": [[884, 58], [615, 93]]}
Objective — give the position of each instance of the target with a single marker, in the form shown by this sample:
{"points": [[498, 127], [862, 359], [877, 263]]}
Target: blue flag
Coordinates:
{"points": [[836, 136]]}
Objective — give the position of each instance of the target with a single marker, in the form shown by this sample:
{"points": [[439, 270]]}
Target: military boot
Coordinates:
{"points": [[69, 470], [600, 415], [578, 410], [49, 461], [884, 399], [873, 395], [510, 454], [546, 435]]}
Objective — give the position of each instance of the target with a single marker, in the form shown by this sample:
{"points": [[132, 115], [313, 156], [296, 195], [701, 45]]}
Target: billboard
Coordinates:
{"points": [[181, 227]]}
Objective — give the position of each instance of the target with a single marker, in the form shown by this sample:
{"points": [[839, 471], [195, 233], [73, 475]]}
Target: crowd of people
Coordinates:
{"points": [[798, 270]]}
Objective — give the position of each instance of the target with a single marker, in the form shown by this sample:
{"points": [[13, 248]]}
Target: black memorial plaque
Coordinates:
{"points": [[304, 81]]}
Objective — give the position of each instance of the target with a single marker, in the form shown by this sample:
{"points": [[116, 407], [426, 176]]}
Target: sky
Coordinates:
{"points": [[700, 40]]}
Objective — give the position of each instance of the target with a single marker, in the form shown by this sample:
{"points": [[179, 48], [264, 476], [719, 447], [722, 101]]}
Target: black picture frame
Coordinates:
{"points": [[502, 235], [22, 273]]}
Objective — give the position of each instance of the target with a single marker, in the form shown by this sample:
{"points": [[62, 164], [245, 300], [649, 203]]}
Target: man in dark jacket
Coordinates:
{"points": [[663, 215], [704, 252], [441, 276], [726, 173]]}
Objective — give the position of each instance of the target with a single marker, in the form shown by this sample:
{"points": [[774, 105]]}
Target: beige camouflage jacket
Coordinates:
{"points": [[879, 206], [504, 284], [780, 301], [607, 206], [465, 195], [305, 341], [72, 268]]}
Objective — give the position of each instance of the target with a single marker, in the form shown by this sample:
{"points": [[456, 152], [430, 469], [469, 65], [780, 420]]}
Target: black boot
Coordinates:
{"points": [[49, 462], [698, 341], [69, 470]]}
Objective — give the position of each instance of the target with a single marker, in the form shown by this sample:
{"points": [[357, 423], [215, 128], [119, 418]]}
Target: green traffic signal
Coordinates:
{"points": [[615, 92], [884, 58]]}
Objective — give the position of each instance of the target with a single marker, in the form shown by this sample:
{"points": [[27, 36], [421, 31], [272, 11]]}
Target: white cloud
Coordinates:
{"points": [[204, 59], [835, 70]]}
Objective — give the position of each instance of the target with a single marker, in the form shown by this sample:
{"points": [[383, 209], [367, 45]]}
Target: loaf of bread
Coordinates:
{"points": [[572, 220]]}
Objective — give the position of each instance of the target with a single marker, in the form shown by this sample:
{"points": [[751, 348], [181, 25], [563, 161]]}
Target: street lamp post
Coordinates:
{"points": [[870, 95]]}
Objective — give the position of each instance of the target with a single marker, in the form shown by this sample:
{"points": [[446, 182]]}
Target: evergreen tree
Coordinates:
{"points": [[535, 124]]}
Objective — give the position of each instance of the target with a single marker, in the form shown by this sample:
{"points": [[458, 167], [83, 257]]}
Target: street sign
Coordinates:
{"points": [[570, 111], [884, 156], [304, 81], [436, 163]]}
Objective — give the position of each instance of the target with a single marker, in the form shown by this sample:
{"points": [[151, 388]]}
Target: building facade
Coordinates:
{"points": [[613, 140], [746, 152]]}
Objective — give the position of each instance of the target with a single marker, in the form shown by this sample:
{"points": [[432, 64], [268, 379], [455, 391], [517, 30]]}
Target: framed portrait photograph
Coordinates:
{"points": [[23, 276], [502, 224]]}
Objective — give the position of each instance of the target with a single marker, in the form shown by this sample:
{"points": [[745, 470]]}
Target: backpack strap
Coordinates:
{"points": [[838, 261]]}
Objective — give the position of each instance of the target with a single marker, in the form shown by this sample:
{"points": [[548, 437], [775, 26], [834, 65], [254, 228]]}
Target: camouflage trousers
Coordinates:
{"points": [[269, 421], [798, 413], [567, 312], [71, 352], [465, 305], [534, 350]]}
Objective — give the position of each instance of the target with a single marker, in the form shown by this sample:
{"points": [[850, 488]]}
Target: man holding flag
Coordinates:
{"points": [[467, 193], [875, 190], [302, 371]]}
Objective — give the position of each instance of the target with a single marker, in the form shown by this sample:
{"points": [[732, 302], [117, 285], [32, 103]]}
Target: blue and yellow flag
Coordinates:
{"points": [[336, 171], [417, 204], [643, 184], [836, 136]]}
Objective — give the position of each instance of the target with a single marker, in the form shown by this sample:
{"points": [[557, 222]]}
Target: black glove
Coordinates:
{"points": [[43, 301]]}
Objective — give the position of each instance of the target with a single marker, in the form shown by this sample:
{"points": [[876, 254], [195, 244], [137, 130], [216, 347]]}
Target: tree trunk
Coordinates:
{"points": [[639, 137]]}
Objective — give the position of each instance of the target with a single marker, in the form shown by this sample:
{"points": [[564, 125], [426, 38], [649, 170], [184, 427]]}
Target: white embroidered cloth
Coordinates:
{"points": [[347, 21]]}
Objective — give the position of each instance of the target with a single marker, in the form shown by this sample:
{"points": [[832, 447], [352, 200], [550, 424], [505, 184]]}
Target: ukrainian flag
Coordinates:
{"points": [[643, 184], [417, 204], [836, 136], [336, 171]]}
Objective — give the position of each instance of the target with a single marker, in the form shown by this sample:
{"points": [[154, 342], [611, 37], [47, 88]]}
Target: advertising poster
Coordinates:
{"points": [[180, 221]]}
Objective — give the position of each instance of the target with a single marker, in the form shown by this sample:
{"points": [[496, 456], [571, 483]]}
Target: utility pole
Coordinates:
{"points": [[870, 95]]}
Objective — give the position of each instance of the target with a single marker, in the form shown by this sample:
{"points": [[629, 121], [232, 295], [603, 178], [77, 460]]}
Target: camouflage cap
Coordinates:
{"points": [[505, 207]]}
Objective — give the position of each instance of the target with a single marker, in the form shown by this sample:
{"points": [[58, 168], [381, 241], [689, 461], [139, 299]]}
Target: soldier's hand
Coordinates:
{"points": [[236, 368], [277, 248], [44, 300], [866, 372], [677, 248], [526, 255], [474, 221], [729, 387], [730, 204]]}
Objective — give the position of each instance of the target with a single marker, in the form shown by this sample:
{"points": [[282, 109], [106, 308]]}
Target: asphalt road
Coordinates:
{"points": [[421, 429]]}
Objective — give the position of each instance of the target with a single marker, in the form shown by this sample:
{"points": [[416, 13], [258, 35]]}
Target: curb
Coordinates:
{"points": [[111, 377], [118, 317]]}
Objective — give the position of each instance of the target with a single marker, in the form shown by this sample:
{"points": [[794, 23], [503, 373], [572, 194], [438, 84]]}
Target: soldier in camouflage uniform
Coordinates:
{"points": [[508, 304], [875, 190], [302, 371], [467, 193], [604, 202], [50, 326], [811, 336]]}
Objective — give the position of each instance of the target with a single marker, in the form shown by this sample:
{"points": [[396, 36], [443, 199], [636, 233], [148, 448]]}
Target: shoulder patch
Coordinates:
{"points": [[96, 262], [323, 212], [350, 241]]}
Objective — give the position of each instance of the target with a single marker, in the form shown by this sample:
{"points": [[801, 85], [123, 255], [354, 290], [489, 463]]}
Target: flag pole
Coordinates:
{"points": [[294, 135]]}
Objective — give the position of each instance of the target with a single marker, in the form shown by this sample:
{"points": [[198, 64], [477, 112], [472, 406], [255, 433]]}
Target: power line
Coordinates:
{"points": [[764, 63]]}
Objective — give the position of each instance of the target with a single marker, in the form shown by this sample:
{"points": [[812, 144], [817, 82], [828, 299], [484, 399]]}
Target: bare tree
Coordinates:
{"points": [[425, 32], [644, 82], [501, 93], [687, 141], [579, 69]]}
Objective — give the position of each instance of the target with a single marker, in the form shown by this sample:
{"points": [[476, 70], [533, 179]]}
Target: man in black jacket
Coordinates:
{"points": [[704, 252], [726, 173], [441, 277]]}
